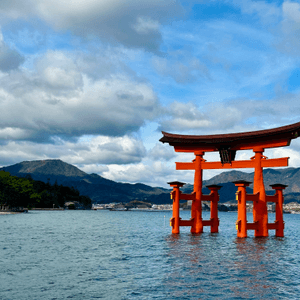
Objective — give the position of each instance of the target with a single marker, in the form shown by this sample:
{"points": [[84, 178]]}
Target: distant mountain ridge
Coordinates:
{"points": [[46, 167], [287, 176], [99, 189], [102, 190]]}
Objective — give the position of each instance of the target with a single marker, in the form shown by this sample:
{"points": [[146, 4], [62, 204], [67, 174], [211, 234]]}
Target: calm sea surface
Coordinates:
{"points": [[133, 255]]}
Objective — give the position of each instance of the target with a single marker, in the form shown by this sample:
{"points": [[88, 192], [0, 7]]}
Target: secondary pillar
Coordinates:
{"points": [[214, 207], [279, 208], [241, 223], [176, 206]]}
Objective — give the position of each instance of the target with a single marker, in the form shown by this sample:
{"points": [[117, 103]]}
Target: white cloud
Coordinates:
{"points": [[57, 98], [202, 120], [93, 168], [98, 150], [184, 116], [236, 115], [58, 71], [161, 152], [155, 174], [57, 77], [289, 30], [294, 156], [146, 25], [10, 133], [10, 59], [265, 10], [131, 23], [217, 75], [182, 69], [109, 150], [291, 11], [281, 18]]}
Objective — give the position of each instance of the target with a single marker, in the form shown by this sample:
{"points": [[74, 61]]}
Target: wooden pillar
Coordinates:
{"points": [[175, 195], [241, 223], [214, 207], [196, 210], [260, 211], [279, 208]]}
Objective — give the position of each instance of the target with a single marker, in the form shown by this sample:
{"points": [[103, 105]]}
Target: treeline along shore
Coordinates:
{"points": [[16, 193]]}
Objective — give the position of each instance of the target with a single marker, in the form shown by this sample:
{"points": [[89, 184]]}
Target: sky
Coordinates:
{"points": [[94, 82]]}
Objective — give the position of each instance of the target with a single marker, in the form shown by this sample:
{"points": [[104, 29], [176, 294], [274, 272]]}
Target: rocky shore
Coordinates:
{"points": [[5, 210]]}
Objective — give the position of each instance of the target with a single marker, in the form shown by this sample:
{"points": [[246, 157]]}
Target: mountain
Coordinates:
{"points": [[44, 169], [288, 176], [99, 189], [102, 190]]}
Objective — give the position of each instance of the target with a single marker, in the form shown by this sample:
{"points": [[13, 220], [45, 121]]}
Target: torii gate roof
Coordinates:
{"points": [[269, 138]]}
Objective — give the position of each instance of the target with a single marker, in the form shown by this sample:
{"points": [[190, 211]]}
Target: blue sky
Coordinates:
{"points": [[94, 82]]}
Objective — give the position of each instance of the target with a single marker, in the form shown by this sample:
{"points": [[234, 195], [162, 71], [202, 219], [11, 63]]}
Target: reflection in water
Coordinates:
{"points": [[214, 266], [185, 257], [253, 267]]}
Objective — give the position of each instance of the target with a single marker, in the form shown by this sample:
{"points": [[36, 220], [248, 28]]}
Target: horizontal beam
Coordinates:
{"points": [[275, 162], [252, 226], [207, 197], [215, 165], [252, 197], [238, 164], [208, 222], [186, 222], [272, 225], [240, 146], [187, 196], [234, 165], [273, 198], [185, 166]]}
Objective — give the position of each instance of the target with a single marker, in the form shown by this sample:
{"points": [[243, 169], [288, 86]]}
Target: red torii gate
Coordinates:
{"points": [[227, 145]]}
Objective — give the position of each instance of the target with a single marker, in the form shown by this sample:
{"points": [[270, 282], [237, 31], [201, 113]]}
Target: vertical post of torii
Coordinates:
{"points": [[260, 211], [196, 212]]}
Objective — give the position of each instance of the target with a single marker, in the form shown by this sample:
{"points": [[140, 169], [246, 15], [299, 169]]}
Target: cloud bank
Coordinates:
{"points": [[93, 82], [132, 23]]}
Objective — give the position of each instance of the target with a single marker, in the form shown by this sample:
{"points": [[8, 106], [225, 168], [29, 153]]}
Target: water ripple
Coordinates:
{"points": [[132, 255]]}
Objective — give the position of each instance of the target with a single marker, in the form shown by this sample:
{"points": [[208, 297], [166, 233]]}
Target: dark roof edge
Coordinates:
{"points": [[292, 131]]}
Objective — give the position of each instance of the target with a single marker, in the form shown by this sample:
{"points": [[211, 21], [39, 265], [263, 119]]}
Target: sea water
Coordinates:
{"points": [[133, 255]]}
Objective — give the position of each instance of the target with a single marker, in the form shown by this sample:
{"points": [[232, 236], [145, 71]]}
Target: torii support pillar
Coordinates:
{"points": [[279, 208], [196, 210], [175, 196], [241, 223], [214, 198], [260, 211]]}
